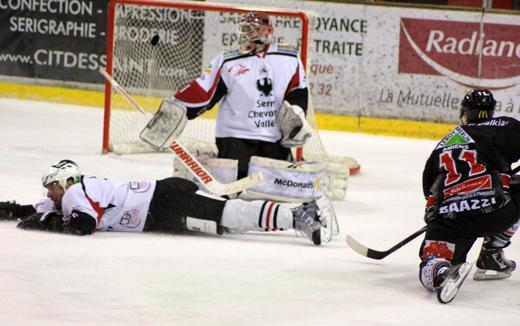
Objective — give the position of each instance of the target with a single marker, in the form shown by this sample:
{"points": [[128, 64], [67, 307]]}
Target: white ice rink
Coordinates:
{"points": [[251, 279]]}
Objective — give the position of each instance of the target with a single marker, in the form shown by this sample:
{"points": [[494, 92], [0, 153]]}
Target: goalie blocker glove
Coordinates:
{"points": [[295, 128]]}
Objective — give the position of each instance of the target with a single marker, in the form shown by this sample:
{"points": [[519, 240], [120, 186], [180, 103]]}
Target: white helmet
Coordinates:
{"points": [[60, 172]]}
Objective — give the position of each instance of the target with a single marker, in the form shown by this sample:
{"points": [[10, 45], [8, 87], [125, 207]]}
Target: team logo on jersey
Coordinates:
{"points": [[238, 70], [265, 85], [139, 186], [456, 137], [130, 220], [207, 71]]}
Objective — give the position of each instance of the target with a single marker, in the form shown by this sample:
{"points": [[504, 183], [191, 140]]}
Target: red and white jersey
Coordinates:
{"points": [[250, 87], [116, 206]]}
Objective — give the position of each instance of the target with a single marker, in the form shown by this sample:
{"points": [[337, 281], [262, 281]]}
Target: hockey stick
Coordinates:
{"points": [[191, 163], [375, 254]]}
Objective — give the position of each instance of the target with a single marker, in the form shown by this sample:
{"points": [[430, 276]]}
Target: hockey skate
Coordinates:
{"points": [[453, 279], [316, 220], [328, 219], [306, 221], [493, 265]]}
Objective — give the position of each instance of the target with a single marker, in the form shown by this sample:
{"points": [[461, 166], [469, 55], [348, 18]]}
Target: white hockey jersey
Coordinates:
{"points": [[251, 88], [44, 205], [115, 206]]}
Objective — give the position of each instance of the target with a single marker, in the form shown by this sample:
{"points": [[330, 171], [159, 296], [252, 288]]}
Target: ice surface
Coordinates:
{"points": [[250, 279]]}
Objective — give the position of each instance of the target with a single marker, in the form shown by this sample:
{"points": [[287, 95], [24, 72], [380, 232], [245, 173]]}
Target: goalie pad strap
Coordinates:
{"points": [[337, 181]]}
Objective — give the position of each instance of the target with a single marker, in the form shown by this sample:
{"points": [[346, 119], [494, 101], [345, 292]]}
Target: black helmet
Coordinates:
{"points": [[479, 105]]}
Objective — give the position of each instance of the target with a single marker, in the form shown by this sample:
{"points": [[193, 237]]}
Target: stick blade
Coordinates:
{"points": [[356, 246], [364, 250]]}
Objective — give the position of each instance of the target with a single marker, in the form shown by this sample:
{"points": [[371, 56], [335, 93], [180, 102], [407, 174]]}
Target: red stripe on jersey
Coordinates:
{"points": [[196, 95], [268, 216], [431, 200], [295, 81], [99, 210], [506, 180]]}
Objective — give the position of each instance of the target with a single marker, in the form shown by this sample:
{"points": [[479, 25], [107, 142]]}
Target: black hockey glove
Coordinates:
{"points": [[430, 215], [50, 221], [515, 183], [7, 210], [10, 210]]}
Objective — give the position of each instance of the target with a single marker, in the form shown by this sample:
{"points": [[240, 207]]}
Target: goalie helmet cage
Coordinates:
{"points": [[156, 47]]}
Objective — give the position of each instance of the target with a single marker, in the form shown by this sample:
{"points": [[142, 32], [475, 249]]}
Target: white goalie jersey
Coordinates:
{"points": [[251, 88], [115, 206]]}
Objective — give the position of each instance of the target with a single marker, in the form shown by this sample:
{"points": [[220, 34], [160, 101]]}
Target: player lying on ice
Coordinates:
{"points": [[81, 205], [471, 193]]}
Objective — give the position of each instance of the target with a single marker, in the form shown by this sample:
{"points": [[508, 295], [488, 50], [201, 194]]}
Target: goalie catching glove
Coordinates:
{"points": [[167, 123], [295, 128]]}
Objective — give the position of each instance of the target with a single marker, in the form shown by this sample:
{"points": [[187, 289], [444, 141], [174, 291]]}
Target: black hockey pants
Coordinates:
{"points": [[173, 200], [243, 149], [463, 231]]}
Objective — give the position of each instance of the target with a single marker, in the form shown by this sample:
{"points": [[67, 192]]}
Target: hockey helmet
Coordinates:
{"points": [[60, 172], [479, 105], [255, 29]]}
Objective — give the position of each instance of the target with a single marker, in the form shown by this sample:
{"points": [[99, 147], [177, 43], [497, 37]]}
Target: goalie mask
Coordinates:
{"points": [[255, 30], [60, 172], [478, 105]]}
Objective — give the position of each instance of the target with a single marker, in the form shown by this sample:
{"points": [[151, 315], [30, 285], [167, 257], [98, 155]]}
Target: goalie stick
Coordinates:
{"points": [[191, 163], [375, 254]]}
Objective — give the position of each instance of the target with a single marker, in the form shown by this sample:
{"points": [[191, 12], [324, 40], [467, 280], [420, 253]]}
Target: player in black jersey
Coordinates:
{"points": [[471, 192]]}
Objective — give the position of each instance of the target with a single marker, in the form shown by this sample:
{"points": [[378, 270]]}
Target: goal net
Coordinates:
{"points": [[156, 47]]}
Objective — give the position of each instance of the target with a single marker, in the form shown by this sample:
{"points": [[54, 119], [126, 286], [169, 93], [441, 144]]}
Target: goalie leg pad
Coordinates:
{"points": [[337, 181], [223, 170], [286, 181]]}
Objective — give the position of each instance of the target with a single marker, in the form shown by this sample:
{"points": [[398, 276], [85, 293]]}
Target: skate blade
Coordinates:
{"points": [[453, 282], [486, 275], [328, 219]]}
